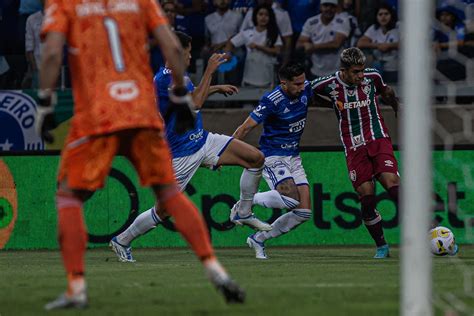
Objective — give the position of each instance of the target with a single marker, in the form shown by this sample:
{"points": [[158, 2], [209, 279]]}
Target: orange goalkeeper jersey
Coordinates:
{"points": [[109, 61]]}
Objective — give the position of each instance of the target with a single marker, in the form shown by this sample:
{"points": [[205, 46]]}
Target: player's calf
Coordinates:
{"points": [[373, 223]]}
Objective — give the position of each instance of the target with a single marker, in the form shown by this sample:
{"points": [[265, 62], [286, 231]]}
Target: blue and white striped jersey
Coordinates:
{"points": [[190, 142], [283, 121]]}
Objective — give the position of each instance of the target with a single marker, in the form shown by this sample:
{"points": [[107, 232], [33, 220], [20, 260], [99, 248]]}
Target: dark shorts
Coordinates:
{"points": [[370, 160]]}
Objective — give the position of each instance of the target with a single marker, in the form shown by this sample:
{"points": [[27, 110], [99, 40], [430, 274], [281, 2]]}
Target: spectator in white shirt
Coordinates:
{"points": [[282, 20], [382, 39], [323, 37], [263, 45], [221, 25], [33, 45], [346, 13]]}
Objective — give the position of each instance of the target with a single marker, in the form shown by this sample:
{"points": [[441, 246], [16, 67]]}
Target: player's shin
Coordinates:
{"points": [[72, 239], [372, 219], [189, 223], [284, 224], [142, 224], [248, 187]]}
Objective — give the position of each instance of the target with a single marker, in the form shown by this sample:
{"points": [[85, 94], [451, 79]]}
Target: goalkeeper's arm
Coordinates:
{"points": [[51, 58]]}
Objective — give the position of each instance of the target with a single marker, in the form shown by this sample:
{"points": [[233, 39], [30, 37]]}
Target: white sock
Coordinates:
{"points": [[285, 223], [248, 187], [273, 199], [76, 286], [215, 271], [143, 223]]}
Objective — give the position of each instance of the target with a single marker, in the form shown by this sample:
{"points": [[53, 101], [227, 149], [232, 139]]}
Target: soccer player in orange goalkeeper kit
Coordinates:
{"points": [[115, 113]]}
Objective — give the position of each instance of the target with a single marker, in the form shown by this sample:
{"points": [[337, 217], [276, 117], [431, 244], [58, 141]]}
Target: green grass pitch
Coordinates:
{"points": [[294, 281]]}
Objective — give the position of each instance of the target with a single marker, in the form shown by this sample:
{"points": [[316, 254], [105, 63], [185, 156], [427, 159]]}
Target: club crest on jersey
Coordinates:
{"points": [[353, 175], [304, 100], [367, 89], [17, 121]]}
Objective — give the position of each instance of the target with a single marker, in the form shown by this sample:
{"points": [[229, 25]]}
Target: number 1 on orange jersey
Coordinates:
{"points": [[114, 41]]}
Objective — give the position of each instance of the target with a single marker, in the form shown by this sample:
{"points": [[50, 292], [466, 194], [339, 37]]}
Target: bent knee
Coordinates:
{"points": [[256, 159], [161, 212], [293, 194], [64, 190]]}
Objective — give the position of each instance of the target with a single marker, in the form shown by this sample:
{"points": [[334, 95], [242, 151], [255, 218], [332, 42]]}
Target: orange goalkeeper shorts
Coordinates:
{"points": [[86, 162]]}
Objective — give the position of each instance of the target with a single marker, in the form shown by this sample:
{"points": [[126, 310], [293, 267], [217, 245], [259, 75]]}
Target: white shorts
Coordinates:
{"points": [[279, 168], [208, 156]]}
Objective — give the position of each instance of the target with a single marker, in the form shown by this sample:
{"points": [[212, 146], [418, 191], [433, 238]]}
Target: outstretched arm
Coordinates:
{"points": [[51, 59], [245, 128], [202, 91], [225, 89]]}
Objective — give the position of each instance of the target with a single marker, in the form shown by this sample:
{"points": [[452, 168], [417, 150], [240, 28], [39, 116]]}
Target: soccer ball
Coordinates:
{"points": [[443, 241]]}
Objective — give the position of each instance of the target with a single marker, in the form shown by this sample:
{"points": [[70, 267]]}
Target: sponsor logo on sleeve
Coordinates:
{"points": [[258, 109]]}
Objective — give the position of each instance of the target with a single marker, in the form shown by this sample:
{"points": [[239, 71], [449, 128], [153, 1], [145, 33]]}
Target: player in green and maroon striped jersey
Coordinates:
{"points": [[354, 92]]}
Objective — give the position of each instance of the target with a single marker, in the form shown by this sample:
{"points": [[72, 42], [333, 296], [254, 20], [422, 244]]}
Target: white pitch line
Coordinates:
{"points": [[300, 285]]}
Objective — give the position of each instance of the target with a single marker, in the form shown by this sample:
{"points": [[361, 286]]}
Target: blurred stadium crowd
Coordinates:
{"points": [[261, 35]]}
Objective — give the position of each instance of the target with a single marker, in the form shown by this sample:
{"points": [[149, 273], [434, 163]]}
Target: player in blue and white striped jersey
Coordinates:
{"points": [[197, 148], [283, 113]]}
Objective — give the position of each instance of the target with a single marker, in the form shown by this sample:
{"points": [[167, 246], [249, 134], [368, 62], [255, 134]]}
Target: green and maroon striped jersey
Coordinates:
{"points": [[357, 108]]}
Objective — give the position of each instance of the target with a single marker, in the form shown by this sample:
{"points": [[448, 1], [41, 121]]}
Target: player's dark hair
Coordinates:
{"points": [[393, 16], [272, 27], [184, 39], [168, 2], [352, 56], [290, 71]]}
